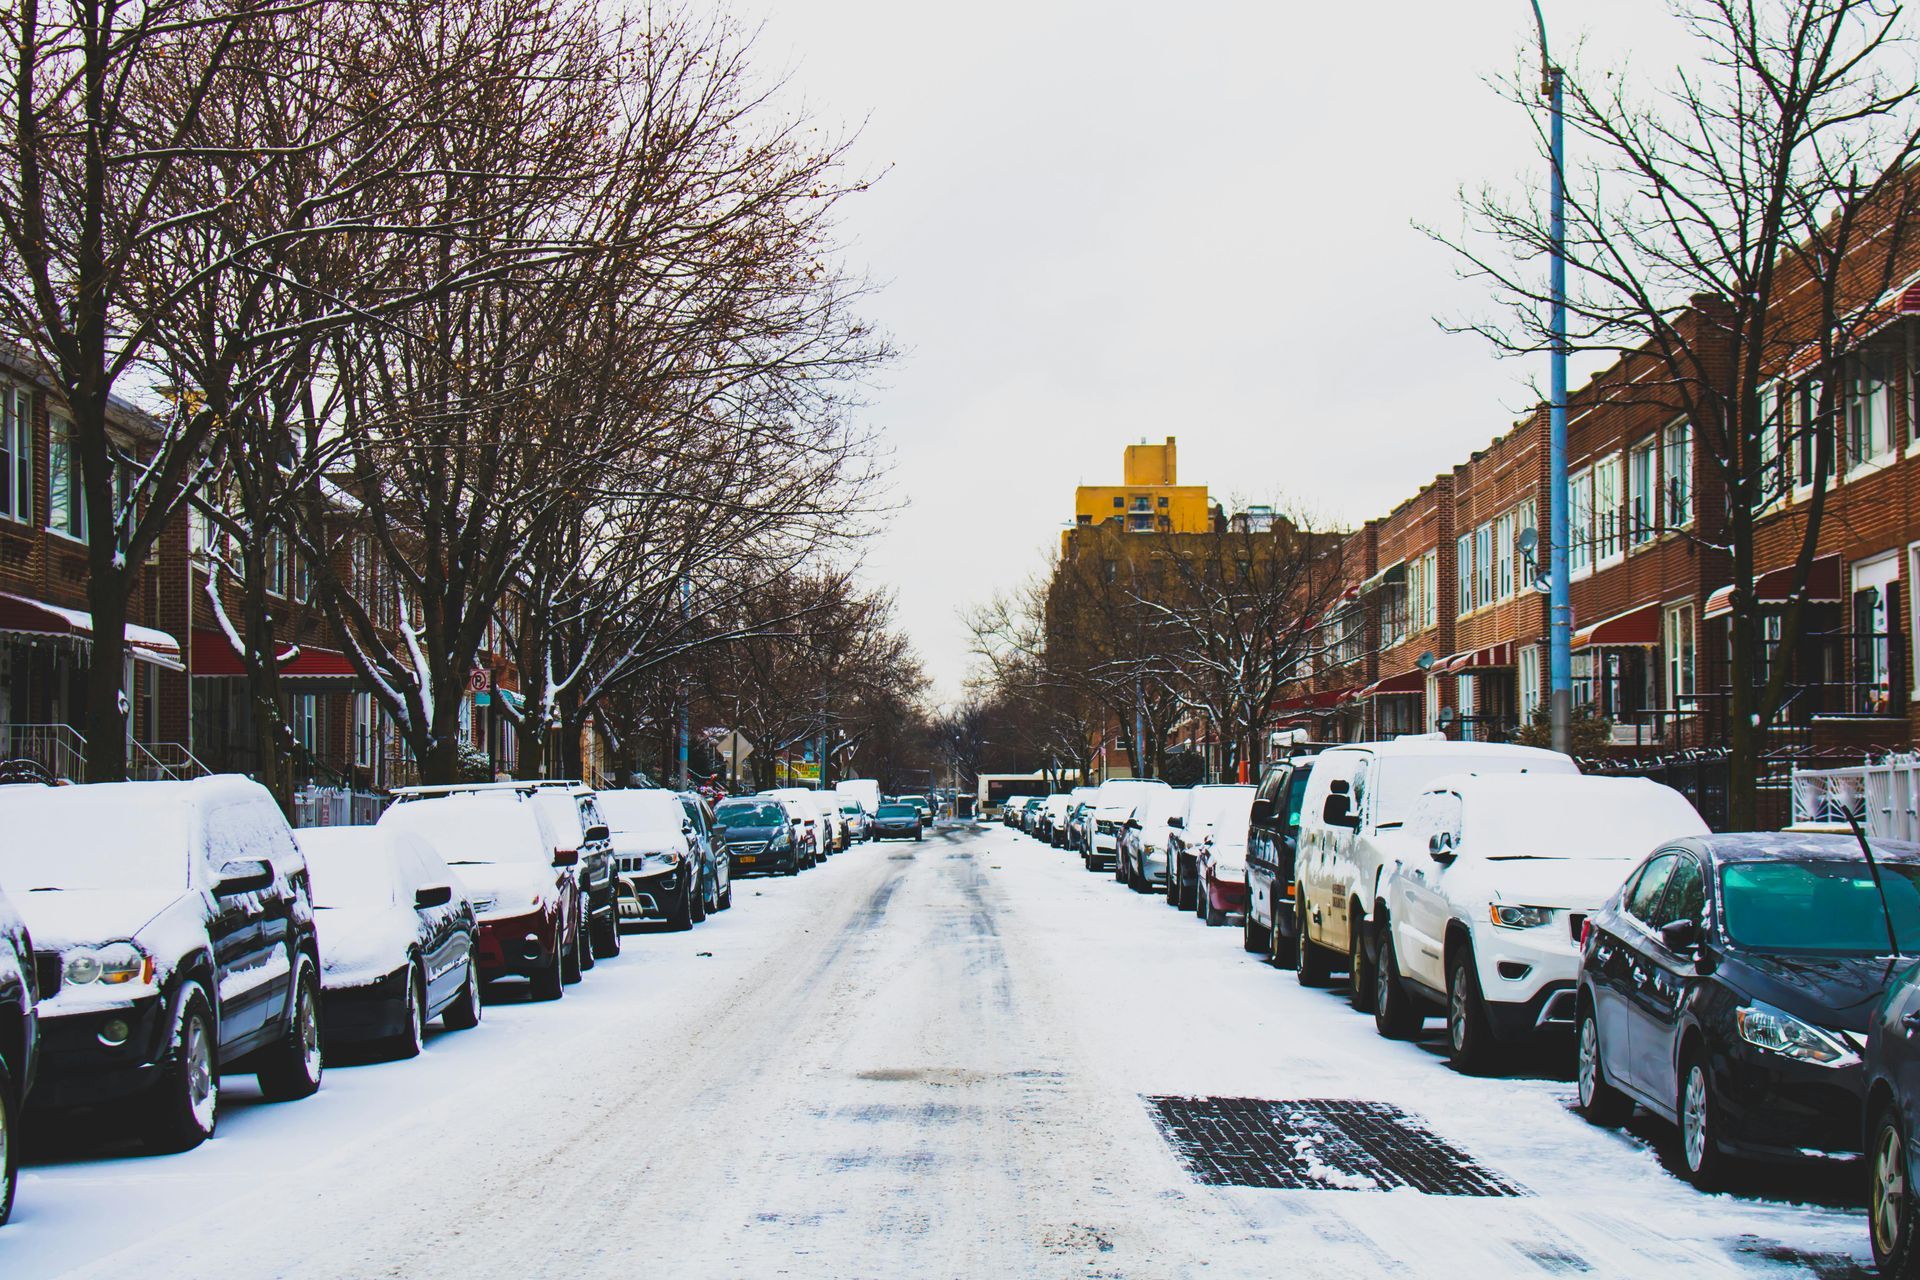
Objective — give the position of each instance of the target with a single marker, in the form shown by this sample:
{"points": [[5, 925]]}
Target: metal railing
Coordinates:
{"points": [[1884, 796], [57, 748], [162, 762]]}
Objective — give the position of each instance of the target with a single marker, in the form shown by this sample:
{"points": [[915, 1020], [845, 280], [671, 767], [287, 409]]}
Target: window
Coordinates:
{"points": [[1641, 488], [1118, 501], [304, 715], [1775, 480], [1676, 469], [66, 497], [1529, 682], [1605, 510], [1416, 594], [1808, 425], [1642, 899], [365, 729], [1686, 894], [1467, 687], [16, 453], [277, 566], [1677, 641], [1463, 551], [1580, 523], [1869, 409], [1580, 677], [1483, 561], [1430, 589], [1503, 544]]}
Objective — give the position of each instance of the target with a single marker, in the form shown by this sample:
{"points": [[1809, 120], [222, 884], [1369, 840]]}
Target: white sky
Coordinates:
{"points": [[1108, 222]]}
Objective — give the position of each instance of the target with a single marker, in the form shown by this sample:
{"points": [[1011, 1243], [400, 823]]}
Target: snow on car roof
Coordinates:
{"points": [[475, 827], [1571, 814], [642, 809]]}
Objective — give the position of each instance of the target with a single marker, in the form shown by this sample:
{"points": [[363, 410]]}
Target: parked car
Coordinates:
{"points": [[1140, 859], [1273, 829], [1079, 825], [518, 875], [1729, 986], [398, 939], [897, 822], [1030, 808], [1219, 834], [1352, 831], [663, 875], [1206, 808], [1113, 804], [864, 792], [817, 838], [21, 989], [857, 819], [707, 841], [1483, 925], [178, 917], [1892, 1070], [758, 834], [925, 806]]}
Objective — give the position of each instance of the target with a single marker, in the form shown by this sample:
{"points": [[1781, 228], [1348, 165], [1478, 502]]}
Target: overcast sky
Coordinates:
{"points": [[1102, 223]]}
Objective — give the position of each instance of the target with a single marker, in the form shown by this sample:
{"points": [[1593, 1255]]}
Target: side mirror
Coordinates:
{"points": [[1262, 814], [566, 857], [686, 826], [246, 875], [598, 834], [1338, 811], [1177, 822], [434, 895], [1133, 824], [1440, 847], [1680, 935]]}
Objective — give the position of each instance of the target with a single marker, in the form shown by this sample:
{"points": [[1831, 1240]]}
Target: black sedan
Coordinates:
{"points": [[397, 938], [1893, 1113], [758, 834], [1728, 986], [20, 991], [896, 822]]}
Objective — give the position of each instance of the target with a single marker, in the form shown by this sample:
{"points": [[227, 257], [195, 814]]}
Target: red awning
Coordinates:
{"points": [[1325, 701], [1414, 681], [214, 655], [23, 616], [1491, 657], [1774, 587], [1635, 629]]}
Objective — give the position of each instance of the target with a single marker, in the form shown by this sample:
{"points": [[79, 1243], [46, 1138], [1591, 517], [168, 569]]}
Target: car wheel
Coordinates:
{"points": [[1706, 1164], [1395, 1015], [1359, 977], [9, 1157], [1469, 1038], [410, 1037], [551, 982], [1282, 950], [464, 1013], [696, 903], [680, 918], [583, 935], [291, 1069], [1120, 873], [916, 837], [1310, 964], [603, 935], [1172, 885], [1600, 1102], [185, 1101], [726, 895], [571, 967], [1890, 1200], [1208, 910], [1253, 938]]}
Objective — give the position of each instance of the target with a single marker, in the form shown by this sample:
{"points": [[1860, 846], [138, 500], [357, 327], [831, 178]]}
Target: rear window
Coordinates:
{"points": [[749, 813], [898, 811], [470, 830], [353, 867]]}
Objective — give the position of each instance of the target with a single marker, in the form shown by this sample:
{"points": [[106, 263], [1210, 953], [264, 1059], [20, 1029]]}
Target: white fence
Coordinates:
{"points": [[1885, 797]]}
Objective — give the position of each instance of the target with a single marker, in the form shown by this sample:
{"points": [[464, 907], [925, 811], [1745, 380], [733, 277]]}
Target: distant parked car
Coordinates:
{"points": [[178, 916], [897, 822], [1140, 860], [1729, 986], [757, 833], [1114, 803], [817, 835], [517, 874], [857, 819], [1219, 837], [707, 840], [1273, 830], [1484, 924], [20, 990], [924, 805], [1079, 825], [663, 873], [398, 938], [1207, 808], [573, 810]]}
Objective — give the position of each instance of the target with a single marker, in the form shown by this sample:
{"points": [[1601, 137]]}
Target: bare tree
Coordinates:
{"points": [[1734, 231]]}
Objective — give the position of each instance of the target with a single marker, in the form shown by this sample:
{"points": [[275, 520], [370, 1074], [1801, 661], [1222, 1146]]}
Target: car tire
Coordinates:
{"points": [[726, 896], [1395, 1014], [185, 1102], [1310, 964], [603, 935], [411, 1036], [1209, 912], [9, 1153], [551, 982], [1254, 937], [1891, 1215], [1359, 975], [291, 1070], [1599, 1102], [680, 919], [1120, 873], [572, 969], [1705, 1164], [1282, 951], [917, 837], [696, 903], [1469, 1037], [464, 1013], [1171, 889]]}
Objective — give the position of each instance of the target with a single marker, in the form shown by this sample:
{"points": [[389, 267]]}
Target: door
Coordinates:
{"points": [[1667, 977], [1263, 851], [1625, 973], [443, 947], [251, 931], [1423, 911]]}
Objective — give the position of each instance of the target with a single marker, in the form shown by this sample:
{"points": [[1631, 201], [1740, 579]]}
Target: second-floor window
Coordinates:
{"points": [[1869, 409], [1463, 553], [66, 497], [1483, 561], [1503, 543], [16, 453], [277, 563], [1430, 588], [1641, 491], [1676, 470], [1580, 522]]}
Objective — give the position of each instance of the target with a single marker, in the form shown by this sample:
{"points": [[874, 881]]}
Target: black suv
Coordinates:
{"points": [[1273, 831], [178, 917], [20, 991]]}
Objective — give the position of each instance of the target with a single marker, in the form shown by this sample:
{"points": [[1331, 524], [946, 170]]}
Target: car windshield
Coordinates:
{"points": [[1214, 806], [750, 813], [642, 810], [349, 867], [562, 813], [1820, 906], [1127, 794], [1297, 796], [131, 836], [474, 830], [898, 811]]}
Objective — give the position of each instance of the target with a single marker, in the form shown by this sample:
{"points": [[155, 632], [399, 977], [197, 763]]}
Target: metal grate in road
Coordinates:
{"points": [[1317, 1144]]}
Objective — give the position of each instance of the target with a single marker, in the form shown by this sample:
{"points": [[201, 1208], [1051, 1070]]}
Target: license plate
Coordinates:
{"points": [[748, 858]]}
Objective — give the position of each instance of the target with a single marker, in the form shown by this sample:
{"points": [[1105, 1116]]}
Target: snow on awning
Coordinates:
{"points": [[1634, 629], [1392, 576], [1776, 586], [1489, 658], [23, 616], [1414, 681], [214, 655]]}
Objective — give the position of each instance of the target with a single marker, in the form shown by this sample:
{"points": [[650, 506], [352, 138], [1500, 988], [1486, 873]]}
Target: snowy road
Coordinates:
{"points": [[923, 1060]]}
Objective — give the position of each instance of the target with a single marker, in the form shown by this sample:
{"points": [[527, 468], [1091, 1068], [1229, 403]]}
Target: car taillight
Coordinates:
{"points": [[1291, 887], [1586, 930]]}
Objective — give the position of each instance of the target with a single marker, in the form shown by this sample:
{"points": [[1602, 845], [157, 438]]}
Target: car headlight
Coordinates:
{"points": [[1510, 917], [1776, 1031], [114, 965], [782, 841], [669, 856]]}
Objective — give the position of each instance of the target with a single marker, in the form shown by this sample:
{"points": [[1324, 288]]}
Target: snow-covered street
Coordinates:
{"points": [[928, 1060]]}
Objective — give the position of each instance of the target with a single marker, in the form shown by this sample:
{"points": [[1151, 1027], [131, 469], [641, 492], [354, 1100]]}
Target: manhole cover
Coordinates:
{"points": [[1317, 1144]]}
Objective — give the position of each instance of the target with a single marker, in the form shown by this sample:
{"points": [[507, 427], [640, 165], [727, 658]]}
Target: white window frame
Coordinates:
{"points": [[1776, 456], [1463, 573], [1643, 491], [1680, 637], [1504, 555], [1609, 546], [66, 512], [1483, 563], [1580, 524], [1676, 483], [1805, 402], [1430, 607], [1869, 411], [16, 451]]}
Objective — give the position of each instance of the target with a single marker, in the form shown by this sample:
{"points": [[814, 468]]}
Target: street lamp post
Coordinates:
{"points": [[1560, 603]]}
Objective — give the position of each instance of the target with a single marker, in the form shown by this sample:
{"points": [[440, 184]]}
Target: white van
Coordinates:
{"points": [[1357, 801], [864, 792]]}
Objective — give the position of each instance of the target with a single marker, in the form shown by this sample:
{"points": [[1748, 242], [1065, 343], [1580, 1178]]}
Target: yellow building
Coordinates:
{"points": [[1151, 498]]}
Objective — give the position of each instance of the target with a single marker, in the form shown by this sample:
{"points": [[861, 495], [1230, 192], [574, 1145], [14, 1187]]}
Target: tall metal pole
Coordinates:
{"points": [[686, 611], [1560, 602]]}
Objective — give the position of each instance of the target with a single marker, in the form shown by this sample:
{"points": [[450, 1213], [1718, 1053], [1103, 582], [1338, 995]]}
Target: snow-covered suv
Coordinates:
{"points": [[1113, 804], [179, 918], [1352, 816], [1484, 920]]}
